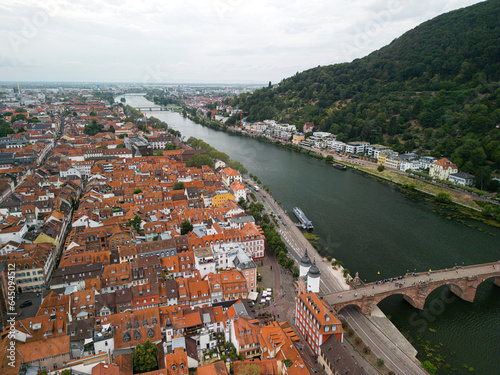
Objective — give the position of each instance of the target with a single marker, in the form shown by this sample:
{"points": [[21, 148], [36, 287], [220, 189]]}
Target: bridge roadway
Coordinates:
{"points": [[416, 287]]}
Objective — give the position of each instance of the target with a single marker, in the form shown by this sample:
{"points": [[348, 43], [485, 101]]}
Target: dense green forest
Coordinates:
{"points": [[435, 90]]}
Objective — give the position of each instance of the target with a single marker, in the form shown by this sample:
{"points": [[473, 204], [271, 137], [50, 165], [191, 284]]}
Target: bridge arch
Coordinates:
{"points": [[408, 296], [495, 277], [438, 295], [352, 304]]}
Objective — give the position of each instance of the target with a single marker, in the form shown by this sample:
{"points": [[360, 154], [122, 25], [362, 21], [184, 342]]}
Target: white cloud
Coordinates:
{"points": [[197, 40]]}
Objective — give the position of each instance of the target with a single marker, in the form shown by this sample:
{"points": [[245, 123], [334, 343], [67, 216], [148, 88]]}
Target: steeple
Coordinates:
{"points": [[305, 264], [313, 278], [314, 271], [305, 261]]}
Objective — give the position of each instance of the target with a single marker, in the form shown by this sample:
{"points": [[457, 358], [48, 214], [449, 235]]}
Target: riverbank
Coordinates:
{"points": [[463, 200], [458, 196]]}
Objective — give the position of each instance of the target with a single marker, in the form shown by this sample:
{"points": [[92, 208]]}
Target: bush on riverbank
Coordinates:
{"points": [[490, 210], [443, 197], [409, 186]]}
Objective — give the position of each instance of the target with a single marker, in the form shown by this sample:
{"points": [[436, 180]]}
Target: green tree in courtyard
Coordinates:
{"points": [[186, 227], [179, 186], [145, 357], [135, 223]]}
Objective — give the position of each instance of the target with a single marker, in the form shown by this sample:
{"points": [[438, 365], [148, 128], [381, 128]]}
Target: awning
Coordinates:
{"points": [[253, 296]]}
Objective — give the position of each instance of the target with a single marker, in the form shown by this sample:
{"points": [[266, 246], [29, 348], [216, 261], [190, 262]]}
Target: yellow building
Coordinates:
{"points": [[382, 156], [222, 197], [393, 162], [297, 138]]}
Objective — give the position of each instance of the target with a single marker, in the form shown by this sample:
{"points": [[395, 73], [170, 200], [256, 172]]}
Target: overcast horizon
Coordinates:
{"points": [[195, 41]]}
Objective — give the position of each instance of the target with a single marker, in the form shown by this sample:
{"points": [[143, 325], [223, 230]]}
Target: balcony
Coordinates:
{"points": [[103, 335]]}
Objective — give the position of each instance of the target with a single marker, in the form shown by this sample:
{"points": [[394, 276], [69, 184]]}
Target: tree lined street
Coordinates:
{"points": [[331, 282]]}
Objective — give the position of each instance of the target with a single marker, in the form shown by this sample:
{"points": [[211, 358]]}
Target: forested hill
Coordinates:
{"points": [[434, 88]]}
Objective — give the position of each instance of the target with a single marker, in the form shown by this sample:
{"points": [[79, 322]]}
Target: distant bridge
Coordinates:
{"points": [[463, 282], [152, 108]]}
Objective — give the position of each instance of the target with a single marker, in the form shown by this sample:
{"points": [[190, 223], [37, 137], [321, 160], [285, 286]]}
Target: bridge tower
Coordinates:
{"points": [[305, 264], [313, 278]]}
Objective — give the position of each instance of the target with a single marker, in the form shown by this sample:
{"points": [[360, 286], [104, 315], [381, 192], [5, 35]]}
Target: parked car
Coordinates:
{"points": [[26, 304]]}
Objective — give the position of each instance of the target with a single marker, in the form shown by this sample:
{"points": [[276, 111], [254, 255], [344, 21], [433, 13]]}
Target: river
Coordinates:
{"points": [[374, 227]]}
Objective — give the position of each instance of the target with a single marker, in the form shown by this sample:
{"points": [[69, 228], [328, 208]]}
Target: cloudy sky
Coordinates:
{"points": [[196, 41]]}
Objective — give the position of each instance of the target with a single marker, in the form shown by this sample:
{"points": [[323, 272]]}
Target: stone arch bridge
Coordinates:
{"points": [[415, 288], [151, 108]]}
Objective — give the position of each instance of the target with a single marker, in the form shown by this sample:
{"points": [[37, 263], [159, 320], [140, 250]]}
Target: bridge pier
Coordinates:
{"points": [[497, 281], [417, 302], [467, 294]]}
